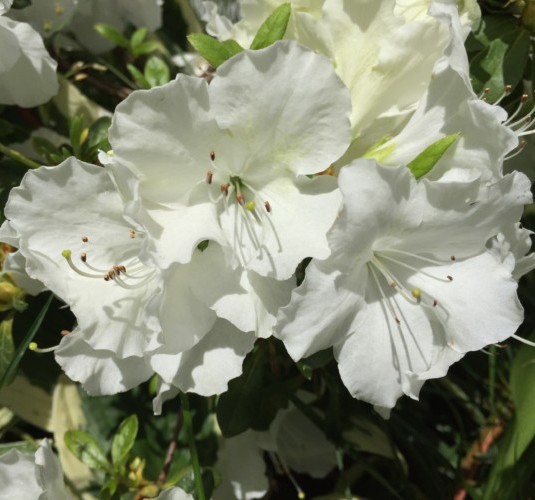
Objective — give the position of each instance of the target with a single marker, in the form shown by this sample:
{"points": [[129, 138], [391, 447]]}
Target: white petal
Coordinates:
{"points": [[100, 372], [262, 87], [208, 366], [175, 493], [164, 135], [52, 210], [17, 476], [32, 79], [320, 310], [49, 474], [244, 478]]}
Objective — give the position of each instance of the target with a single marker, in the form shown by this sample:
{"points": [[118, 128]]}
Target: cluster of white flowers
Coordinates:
{"points": [[179, 253]]}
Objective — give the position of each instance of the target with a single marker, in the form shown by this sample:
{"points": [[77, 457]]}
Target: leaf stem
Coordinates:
{"points": [[23, 347], [171, 448], [188, 425], [18, 157]]}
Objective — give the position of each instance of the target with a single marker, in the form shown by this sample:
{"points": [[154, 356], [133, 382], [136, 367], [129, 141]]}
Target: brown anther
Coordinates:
{"points": [[507, 89], [85, 239], [435, 303], [486, 90], [453, 258], [224, 189], [132, 233], [64, 332], [267, 206], [524, 98], [107, 277], [393, 284], [449, 277], [209, 176], [119, 269], [397, 321], [240, 199], [212, 155], [83, 257]]}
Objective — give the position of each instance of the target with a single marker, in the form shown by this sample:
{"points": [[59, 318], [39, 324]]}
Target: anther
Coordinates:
{"points": [[435, 302], [209, 176], [212, 155], [64, 332], [240, 199], [83, 256], [132, 233], [224, 189], [267, 206], [250, 205], [453, 258], [449, 277], [85, 239], [524, 98], [397, 320]]}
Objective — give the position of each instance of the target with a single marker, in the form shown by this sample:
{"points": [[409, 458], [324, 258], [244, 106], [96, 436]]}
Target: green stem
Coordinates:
{"points": [[492, 379], [18, 157], [340, 465], [188, 425]]}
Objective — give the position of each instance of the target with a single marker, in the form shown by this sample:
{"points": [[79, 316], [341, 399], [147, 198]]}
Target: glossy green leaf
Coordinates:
{"points": [[124, 439], [273, 28], [214, 51], [138, 76], [430, 156], [86, 449]]}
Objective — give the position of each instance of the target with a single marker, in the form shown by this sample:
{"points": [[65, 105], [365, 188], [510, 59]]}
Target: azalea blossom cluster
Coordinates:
{"points": [[179, 253], [355, 147]]}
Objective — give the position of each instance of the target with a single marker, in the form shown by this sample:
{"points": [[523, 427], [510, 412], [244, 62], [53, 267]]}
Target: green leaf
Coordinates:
{"points": [[137, 38], [76, 130], [515, 461], [109, 32], [138, 76], [22, 446], [237, 408], [86, 449], [43, 147], [7, 347], [214, 51], [430, 156], [273, 28], [98, 134], [156, 72], [124, 440], [146, 47]]}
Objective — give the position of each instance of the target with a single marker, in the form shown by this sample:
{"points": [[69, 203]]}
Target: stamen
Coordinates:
{"points": [[35, 348], [209, 176], [240, 199], [67, 255], [224, 189], [212, 155], [83, 257], [85, 239], [523, 340], [453, 258], [387, 301], [412, 268], [267, 207], [132, 233]]}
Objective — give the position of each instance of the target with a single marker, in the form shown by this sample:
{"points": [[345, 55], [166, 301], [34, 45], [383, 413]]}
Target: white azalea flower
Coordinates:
{"points": [[385, 60], [449, 107], [229, 162], [46, 16], [27, 72], [31, 477], [192, 330], [413, 284]]}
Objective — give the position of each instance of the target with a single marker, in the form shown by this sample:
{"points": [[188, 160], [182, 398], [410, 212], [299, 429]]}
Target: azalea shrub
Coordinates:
{"points": [[265, 249]]}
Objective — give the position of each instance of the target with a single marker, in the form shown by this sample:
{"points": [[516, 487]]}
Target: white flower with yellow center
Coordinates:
{"points": [[409, 287], [231, 162]]}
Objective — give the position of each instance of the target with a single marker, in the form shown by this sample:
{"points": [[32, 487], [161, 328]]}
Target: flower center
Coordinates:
{"points": [[380, 267], [252, 212], [129, 274]]}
